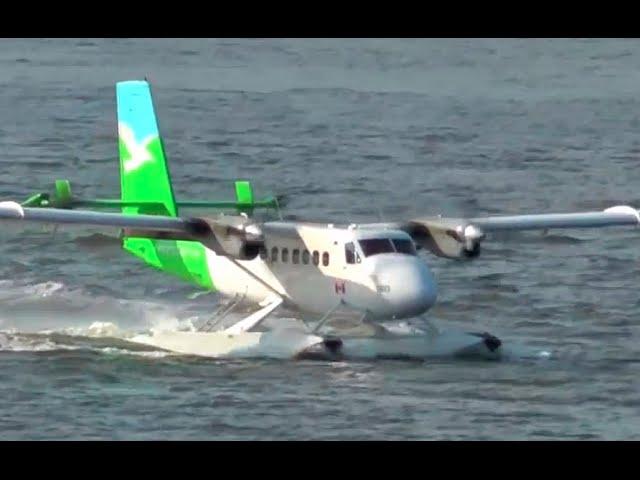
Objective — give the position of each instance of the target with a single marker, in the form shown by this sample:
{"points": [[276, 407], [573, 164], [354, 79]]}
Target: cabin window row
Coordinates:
{"points": [[297, 256]]}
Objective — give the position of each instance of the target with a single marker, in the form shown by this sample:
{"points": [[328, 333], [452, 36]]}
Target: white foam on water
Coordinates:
{"points": [[171, 323], [138, 353], [95, 330], [51, 306], [22, 343], [514, 351], [38, 317]]}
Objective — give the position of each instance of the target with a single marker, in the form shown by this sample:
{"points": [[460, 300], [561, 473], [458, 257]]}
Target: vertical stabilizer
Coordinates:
{"points": [[144, 175], [146, 186]]}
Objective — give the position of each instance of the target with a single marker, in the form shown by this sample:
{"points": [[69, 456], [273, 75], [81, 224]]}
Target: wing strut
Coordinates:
{"points": [[255, 318]]}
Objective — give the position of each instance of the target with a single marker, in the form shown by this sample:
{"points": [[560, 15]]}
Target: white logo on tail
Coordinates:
{"points": [[139, 154]]}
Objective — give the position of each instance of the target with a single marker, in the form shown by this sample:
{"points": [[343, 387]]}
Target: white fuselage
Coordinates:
{"points": [[316, 267]]}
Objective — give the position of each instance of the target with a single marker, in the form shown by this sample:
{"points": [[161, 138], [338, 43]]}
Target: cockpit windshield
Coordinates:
{"points": [[375, 246], [404, 246]]}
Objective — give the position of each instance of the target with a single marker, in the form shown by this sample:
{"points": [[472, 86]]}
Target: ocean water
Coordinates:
{"points": [[351, 130]]}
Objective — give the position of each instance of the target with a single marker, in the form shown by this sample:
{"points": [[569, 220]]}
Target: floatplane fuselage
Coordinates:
{"points": [[316, 267]]}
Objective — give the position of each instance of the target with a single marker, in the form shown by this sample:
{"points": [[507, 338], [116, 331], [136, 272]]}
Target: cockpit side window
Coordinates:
{"points": [[404, 245], [374, 246]]}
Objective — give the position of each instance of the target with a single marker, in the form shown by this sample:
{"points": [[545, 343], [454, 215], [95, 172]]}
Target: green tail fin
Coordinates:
{"points": [[144, 173], [146, 182]]}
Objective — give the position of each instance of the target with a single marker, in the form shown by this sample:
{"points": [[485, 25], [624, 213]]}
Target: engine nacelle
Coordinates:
{"points": [[230, 236], [448, 238]]}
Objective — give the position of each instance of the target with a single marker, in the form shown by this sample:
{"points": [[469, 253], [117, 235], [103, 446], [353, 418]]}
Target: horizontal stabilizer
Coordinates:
{"points": [[62, 197]]}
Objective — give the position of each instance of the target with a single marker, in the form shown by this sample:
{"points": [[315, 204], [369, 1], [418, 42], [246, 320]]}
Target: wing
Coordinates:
{"points": [[14, 213], [461, 238], [228, 235]]}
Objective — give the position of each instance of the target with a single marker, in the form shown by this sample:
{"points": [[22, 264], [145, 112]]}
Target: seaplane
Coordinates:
{"points": [[375, 272]]}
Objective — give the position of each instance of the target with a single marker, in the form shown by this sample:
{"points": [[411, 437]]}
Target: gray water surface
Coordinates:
{"points": [[350, 130]]}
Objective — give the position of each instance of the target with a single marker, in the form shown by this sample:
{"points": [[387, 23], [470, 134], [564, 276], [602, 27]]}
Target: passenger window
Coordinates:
{"points": [[295, 256], [285, 255], [350, 253], [305, 257], [274, 254], [263, 253], [316, 257], [325, 259]]}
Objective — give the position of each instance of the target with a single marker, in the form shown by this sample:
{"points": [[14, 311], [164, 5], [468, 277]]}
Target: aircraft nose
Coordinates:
{"points": [[406, 285]]}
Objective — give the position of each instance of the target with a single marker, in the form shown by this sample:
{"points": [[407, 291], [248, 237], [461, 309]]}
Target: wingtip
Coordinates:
{"points": [[624, 209], [13, 207]]}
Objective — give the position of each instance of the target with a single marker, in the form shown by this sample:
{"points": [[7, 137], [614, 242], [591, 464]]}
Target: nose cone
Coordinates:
{"points": [[405, 284]]}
